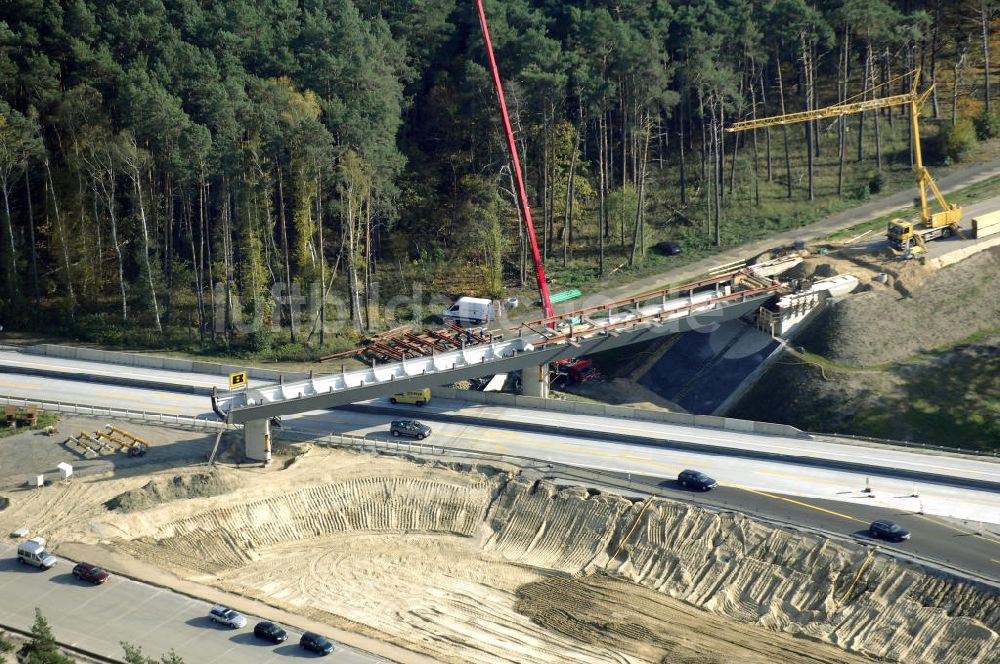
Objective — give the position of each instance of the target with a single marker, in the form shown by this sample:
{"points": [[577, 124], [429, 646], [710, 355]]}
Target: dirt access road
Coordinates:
{"points": [[959, 179]]}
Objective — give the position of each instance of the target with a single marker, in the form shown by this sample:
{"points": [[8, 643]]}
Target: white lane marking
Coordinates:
{"points": [[693, 437]]}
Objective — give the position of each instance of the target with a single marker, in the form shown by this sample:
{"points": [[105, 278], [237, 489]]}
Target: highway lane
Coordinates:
{"points": [[496, 437], [819, 497], [98, 618], [83, 368], [509, 418], [580, 449], [504, 418]]}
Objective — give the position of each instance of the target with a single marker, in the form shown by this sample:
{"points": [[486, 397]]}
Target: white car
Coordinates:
{"points": [[227, 616]]}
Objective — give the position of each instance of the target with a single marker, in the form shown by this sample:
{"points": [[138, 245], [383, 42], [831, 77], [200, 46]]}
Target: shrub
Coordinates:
{"points": [[956, 142], [987, 125], [876, 182]]}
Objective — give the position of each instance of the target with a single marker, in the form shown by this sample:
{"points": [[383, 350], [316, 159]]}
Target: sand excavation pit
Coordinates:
{"points": [[479, 564]]}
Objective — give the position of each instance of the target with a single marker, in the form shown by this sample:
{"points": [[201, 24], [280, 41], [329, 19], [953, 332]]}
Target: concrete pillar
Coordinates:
{"points": [[535, 381], [257, 440]]}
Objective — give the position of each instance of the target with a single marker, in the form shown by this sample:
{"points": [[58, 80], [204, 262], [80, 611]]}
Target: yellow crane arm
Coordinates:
{"points": [[834, 111], [951, 214]]}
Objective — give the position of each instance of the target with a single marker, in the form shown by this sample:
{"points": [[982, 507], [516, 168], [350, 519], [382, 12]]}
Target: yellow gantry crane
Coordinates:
{"points": [[903, 235]]}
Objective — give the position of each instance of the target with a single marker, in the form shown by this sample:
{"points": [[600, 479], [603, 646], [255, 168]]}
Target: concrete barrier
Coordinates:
{"points": [[157, 362], [601, 410]]}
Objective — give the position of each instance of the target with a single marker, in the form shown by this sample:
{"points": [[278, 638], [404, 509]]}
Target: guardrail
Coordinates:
{"points": [[841, 437], [188, 421]]}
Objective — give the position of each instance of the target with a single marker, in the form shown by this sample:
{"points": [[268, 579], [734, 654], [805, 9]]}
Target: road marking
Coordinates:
{"points": [[797, 502], [73, 372], [20, 385], [963, 531], [724, 438], [124, 397], [510, 434], [994, 560]]}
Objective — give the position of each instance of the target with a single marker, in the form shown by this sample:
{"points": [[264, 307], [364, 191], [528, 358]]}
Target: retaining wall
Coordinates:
{"points": [[602, 410]]}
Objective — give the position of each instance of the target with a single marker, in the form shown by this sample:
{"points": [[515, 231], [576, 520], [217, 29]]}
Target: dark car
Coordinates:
{"points": [[269, 631], [694, 479], [410, 428], [316, 643], [88, 572], [667, 248], [888, 530]]}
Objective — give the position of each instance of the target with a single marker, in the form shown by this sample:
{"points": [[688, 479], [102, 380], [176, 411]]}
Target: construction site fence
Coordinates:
{"points": [[201, 422], [142, 360]]}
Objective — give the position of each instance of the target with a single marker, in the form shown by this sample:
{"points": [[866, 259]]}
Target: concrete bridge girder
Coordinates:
{"points": [[522, 353]]}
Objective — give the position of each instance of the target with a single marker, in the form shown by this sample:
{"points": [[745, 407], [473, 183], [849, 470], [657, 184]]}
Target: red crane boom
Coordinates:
{"points": [[522, 195]]}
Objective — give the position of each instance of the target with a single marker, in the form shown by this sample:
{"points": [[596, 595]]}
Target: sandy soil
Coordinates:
{"points": [[478, 564], [945, 397], [917, 310]]}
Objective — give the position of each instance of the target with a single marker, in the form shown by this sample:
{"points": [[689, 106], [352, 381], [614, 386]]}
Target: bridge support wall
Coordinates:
{"points": [[535, 381], [257, 440]]}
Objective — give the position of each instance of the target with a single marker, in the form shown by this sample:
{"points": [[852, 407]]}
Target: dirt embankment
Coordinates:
{"points": [[940, 308], [475, 564], [879, 384]]}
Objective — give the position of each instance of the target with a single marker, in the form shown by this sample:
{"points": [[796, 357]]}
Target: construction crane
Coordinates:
{"points": [[522, 195], [904, 235]]}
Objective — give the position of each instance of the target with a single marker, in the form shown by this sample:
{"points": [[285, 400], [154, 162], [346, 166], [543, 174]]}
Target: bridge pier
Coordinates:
{"points": [[257, 440], [535, 381]]}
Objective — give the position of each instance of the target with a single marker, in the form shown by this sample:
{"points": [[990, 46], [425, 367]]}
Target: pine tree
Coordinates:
{"points": [[42, 649]]}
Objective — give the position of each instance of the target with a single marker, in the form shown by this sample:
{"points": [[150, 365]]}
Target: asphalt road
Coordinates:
{"points": [[825, 498], [75, 388], [958, 526], [98, 618]]}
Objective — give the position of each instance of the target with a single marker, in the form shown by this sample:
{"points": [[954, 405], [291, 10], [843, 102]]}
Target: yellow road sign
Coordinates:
{"points": [[238, 379]]}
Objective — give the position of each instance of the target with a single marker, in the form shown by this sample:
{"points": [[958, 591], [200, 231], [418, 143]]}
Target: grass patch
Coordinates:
{"points": [[44, 420], [952, 399]]}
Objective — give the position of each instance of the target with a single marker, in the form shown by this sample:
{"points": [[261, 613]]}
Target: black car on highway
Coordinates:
{"points": [[695, 479], [410, 428], [316, 643], [269, 631], [888, 530]]}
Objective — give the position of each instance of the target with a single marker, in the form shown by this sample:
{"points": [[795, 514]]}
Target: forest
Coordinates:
{"points": [[271, 176]]}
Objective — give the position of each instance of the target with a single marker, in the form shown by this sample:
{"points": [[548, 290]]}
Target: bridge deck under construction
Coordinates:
{"points": [[430, 359]]}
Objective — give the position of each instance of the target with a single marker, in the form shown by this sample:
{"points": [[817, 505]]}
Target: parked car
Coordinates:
{"points": [[269, 631], [667, 248], [888, 530], [226, 616], [33, 552], [316, 643], [88, 572], [695, 479], [410, 428]]}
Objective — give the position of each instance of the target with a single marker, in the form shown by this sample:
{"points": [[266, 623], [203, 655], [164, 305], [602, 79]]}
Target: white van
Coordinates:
{"points": [[470, 311], [33, 552]]}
